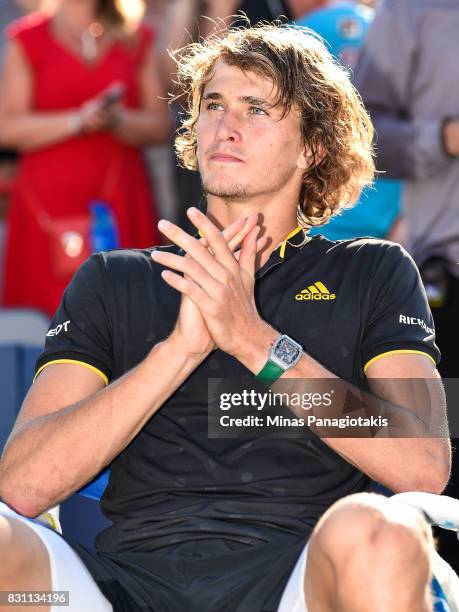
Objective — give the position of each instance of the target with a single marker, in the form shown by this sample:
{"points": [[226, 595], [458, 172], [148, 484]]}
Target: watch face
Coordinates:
{"points": [[287, 351]]}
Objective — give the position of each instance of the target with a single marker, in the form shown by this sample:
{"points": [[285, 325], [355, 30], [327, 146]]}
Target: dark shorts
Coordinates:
{"points": [[202, 576]]}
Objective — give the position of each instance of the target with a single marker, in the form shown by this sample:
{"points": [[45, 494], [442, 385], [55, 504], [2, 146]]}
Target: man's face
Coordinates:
{"points": [[244, 148]]}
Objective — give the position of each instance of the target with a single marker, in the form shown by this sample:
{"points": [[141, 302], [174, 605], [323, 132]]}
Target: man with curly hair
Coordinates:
{"points": [[234, 524]]}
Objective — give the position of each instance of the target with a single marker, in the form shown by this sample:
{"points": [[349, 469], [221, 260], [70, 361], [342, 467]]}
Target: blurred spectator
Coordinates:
{"points": [[160, 158], [181, 21], [154, 13], [256, 10], [79, 100], [9, 11], [180, 27], [343, 24], [407, 75]]}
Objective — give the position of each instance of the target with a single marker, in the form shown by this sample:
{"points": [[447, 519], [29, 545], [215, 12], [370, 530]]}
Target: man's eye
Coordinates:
{"points": [[256, 110], [213, 106]]}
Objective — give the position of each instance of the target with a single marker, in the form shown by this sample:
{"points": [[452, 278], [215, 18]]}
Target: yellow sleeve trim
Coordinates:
{"points": [[398, 352], [284, 243], [81, 363]]}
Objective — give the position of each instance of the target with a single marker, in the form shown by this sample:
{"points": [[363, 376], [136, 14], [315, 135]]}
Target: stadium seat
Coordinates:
{"points": [[96, 487]]}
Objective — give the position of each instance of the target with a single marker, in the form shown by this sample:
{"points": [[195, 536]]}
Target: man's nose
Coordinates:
{"points": [[229, 127]]}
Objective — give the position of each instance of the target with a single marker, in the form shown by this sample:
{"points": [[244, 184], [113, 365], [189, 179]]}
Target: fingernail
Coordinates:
{"points": [[164, 225], [156, 254], [193, 212]]}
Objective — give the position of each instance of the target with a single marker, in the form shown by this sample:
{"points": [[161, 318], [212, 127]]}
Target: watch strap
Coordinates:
{"points": [[270, 372]]}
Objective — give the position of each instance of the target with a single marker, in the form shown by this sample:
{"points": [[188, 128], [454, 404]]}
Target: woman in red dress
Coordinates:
{"points": [[80, 96]]}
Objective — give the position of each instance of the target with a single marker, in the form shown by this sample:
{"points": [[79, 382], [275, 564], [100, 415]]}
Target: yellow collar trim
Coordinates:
{"points": [[284, 243]]}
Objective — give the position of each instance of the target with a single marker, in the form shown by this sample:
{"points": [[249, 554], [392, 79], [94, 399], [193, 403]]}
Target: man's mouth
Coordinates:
{"points": [[224, 157]]}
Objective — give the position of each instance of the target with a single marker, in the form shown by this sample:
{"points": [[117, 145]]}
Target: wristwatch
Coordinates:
{"points": [[284, 354]]}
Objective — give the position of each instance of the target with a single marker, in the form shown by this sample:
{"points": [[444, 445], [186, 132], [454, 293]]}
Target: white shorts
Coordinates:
{"points": [[293, 599], [68, 573]]}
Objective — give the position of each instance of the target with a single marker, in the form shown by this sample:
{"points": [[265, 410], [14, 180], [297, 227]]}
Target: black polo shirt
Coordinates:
{"points": [[345, 302]]}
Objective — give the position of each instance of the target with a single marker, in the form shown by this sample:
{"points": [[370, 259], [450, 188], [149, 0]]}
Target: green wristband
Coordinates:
{"points": [[269, 373]]}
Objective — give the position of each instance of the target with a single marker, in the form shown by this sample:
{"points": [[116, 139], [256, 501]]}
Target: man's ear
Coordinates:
{"points": [[311, 156]]}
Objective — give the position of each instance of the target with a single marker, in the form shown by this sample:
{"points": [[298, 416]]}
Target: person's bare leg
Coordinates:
{"points": [[24, 562], [368, 554]]}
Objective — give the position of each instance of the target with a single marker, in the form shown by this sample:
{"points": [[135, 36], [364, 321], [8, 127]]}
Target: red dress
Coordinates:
{"points": [[62, 179]]}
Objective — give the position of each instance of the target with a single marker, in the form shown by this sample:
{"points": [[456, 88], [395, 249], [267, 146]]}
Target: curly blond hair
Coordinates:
{"points": [[335, 126]]}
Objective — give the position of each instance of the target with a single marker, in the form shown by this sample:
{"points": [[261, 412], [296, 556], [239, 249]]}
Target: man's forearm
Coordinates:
{"points": [[55, 455], [422, 453]]}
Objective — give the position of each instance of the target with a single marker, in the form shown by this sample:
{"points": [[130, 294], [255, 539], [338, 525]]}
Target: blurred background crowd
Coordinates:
{"points": [[86, 134]]}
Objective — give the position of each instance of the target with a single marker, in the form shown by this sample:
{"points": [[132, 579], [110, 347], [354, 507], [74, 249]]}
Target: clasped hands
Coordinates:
{"points": [[218, 307]]}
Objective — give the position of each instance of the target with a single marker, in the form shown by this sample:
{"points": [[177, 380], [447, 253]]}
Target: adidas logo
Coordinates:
{"points": [[317, 291]]}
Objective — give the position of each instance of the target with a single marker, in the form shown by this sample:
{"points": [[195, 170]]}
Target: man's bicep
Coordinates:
{"points": [[402, 365], [80, 333], [399, 322], [58, 386], [412, 382]]}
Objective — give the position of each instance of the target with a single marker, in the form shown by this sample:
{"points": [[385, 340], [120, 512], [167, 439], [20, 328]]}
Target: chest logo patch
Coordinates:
{"points": [[317, 291]]}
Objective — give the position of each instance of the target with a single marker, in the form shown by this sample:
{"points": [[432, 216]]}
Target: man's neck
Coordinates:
{"points": [[276, 222]]}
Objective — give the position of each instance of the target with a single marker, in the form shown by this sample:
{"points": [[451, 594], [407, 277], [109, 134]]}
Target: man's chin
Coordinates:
{"points": [[227, 192]]}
